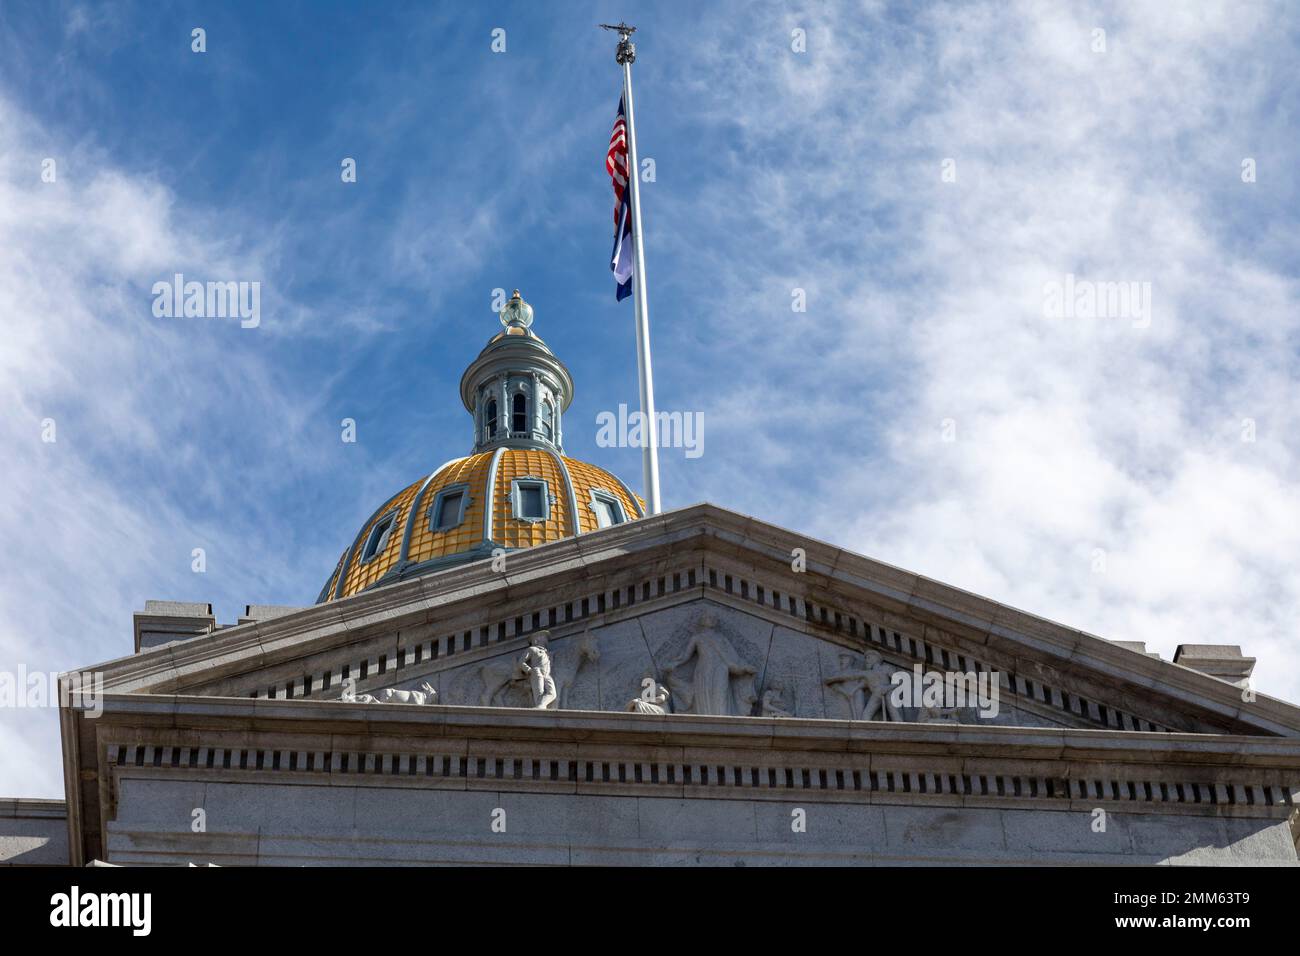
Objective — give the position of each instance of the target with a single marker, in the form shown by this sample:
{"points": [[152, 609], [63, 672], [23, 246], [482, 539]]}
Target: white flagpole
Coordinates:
{"points": [[626, 55]]}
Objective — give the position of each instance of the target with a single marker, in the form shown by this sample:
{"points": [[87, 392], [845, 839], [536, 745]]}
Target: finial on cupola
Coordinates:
{"points": [[516, 313]]}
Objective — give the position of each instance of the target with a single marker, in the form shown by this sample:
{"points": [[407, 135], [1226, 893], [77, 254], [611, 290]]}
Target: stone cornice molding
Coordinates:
{"points": [[522, 725], [834, 576]]}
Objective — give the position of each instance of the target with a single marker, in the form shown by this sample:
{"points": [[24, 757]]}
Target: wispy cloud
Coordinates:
{"points": [[106, 490], [1098, 473]]}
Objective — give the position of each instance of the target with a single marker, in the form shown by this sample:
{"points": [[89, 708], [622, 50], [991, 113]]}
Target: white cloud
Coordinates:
{"points": [[1072, 435], [109, 511]]}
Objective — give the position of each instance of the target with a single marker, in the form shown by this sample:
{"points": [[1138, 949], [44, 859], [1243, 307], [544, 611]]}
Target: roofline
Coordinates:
{"points": [[953, 609]]}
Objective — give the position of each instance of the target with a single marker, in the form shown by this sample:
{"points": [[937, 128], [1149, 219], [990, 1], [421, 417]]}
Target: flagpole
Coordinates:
{"points": [[626, 56]]}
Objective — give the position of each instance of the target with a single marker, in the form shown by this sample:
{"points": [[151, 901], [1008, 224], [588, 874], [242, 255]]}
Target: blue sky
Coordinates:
{"points": [[1097, 473]]}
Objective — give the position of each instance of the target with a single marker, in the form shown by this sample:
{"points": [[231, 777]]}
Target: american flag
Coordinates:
{"points": [[616, 166]]}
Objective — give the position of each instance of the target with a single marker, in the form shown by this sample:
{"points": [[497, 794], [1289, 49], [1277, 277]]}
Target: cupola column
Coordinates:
{"points": [[506, 418], [535, 419]]}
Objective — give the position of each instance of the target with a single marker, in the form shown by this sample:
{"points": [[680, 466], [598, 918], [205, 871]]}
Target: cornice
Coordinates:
{"points": [[831, 571], [520, 725]]}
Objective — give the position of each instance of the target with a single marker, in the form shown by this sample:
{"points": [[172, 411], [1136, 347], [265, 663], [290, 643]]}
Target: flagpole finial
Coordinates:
{"points": [[626, 52]]}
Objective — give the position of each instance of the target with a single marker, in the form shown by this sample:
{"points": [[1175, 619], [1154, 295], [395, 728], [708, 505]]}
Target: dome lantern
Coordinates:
{"points": [[517, 390]]}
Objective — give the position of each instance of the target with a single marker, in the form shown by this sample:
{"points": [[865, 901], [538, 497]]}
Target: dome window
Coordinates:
{"points": [[608, 509], [377, 540], [491, 418], [530, 499], [519, 413], [448, 509]]}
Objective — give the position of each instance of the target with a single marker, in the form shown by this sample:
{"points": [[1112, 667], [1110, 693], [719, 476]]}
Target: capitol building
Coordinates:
{"points": [[514, 662]]}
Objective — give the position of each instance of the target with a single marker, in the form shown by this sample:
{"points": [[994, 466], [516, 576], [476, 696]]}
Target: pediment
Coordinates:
{"points": [[623, 606], [713, 659]]}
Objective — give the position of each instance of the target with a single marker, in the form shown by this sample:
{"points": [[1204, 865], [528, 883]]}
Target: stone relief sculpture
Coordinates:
{"points": [[939, 715], [852, 684], [350, 696], [425, 695], [773, 705], [569, 661], [498, 674], [867, 689], [650, 702], [720, 682], [536, 668]]}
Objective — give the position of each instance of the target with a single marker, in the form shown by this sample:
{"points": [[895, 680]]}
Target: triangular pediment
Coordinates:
{"points": [[699, 589], [713, 659]]}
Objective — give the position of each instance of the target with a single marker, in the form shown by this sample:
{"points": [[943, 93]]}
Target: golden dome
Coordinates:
{"points": [[517, 489], [403, 537]]}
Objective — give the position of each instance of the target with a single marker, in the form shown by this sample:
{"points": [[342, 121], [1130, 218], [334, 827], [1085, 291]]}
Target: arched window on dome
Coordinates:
{"points": [[490, 418], [548, 417], [448, 508], [608, 509], [519, 413], [380, 534]]}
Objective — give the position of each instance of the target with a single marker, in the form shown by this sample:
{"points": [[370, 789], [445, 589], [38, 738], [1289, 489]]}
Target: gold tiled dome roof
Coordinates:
{"points": [[517, 489], [405, 541]]}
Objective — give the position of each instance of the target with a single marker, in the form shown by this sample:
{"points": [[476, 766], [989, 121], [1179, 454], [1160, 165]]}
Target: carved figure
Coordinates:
{"points": [[879, 683], [654, 704], [350, 696], [721, 682], [852, 683], [773, 705], [425, 695], [867, 689], [566, 663], [536, 667]]}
